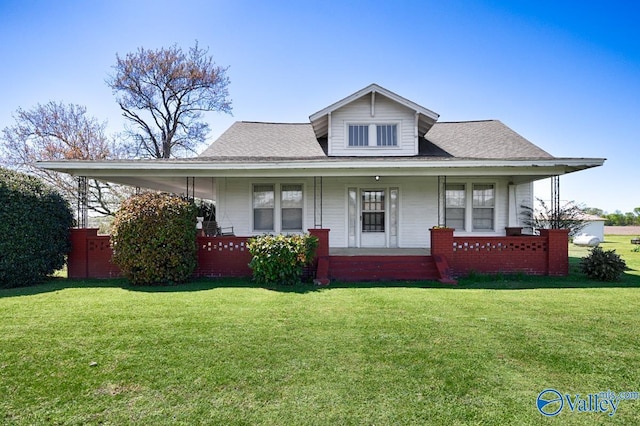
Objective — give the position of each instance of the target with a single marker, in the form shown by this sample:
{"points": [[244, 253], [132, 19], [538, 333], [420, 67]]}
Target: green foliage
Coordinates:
{"points": [[603, 265], [154, 239], [34, 229], [567, 216], [618, 218], [279, 259]]}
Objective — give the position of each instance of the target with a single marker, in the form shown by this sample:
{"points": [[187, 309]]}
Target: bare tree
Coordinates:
{"points": [[568, 216], [55, 131], [163, 93]]}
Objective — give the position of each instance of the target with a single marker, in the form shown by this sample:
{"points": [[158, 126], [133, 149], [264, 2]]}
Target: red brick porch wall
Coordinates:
{"points": [[223, 257], [90, 256], [546, 254]]}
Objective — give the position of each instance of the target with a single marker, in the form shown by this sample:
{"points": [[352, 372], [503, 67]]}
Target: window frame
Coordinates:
{"points": [[278, 207], [363, 130], [372, 135], [481, 207], [469, 205], [463, 208], [254, 208], [282, 207]]}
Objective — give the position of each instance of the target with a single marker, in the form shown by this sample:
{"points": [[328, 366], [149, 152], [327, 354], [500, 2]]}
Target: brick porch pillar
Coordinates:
{"points": [[557, 251], [442, 242], [322, 255], [78, 258], [442, 253]]}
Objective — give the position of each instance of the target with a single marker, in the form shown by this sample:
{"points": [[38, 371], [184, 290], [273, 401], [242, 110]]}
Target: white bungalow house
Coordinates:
{"points": [[375, 168]]}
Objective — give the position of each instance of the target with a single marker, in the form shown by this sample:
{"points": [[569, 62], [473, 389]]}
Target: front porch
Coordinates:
{"points": [[448, 257]]}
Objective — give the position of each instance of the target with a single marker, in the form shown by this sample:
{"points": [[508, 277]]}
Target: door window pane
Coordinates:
{"points": [[373, 211]]}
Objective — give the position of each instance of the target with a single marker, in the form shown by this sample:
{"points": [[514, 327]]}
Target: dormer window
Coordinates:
{"points": [[358, 135], [387, 135], [382, 135]]}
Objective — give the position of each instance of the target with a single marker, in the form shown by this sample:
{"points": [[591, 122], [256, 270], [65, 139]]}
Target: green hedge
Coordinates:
{"points": [[154, 239], [35, 222], [280, 259]]}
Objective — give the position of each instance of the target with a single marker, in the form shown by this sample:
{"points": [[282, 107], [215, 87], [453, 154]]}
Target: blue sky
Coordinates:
{"points": [[564, 74]]}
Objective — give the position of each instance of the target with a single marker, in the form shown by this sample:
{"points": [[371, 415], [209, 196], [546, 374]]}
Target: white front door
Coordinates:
{"points": [[373, 231]]}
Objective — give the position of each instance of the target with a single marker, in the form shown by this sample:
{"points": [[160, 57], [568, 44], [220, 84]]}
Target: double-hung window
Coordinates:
{"points": [[277, 204], [263, 207], [358, 135], [387, 135], [381, 135], [456, 202], [291, 207], [483, 207]]}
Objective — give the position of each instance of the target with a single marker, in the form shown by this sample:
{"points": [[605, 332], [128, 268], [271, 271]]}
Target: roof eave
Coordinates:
{"points": [[318, 167]]}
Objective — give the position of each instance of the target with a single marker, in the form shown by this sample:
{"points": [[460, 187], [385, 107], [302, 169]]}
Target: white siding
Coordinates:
{"points": [[386, 112], [234, 204], [418, 204], [418, 211]]}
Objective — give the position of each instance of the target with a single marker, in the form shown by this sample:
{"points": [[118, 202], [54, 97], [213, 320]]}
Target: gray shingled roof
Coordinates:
{"points": [[489, 139], [254, 140], [482, 139]]}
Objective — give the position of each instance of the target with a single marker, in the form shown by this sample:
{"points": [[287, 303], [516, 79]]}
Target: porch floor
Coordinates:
{"points": [[340, 251]]}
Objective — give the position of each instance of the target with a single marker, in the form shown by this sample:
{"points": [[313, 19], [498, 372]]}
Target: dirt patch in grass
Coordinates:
{"points": [[621, 230]]}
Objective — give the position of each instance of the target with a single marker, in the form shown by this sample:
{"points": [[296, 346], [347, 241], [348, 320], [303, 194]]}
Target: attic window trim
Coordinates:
{"points": [[371, 138]]}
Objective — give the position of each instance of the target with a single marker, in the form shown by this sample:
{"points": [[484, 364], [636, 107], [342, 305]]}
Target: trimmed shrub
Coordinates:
{"points": [[280, 259], [35, 222], [603, 265], [154, 239]]}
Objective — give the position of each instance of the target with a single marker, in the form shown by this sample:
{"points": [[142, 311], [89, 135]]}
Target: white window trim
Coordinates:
{"points": [[465, 207], [373, 136], [367, 187], [468, 218], [494, 207], [277, 214]]}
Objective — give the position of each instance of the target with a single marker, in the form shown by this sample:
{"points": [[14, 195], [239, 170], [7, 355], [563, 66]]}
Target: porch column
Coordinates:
{"points": [[512, 206], [442, 200], [317, 202], [83, 203]]}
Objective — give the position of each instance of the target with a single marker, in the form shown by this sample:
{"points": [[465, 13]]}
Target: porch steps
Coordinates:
{"points": [[383, 268]]}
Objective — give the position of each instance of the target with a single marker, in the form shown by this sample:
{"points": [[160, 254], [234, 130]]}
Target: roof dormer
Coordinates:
{"points": [[373, 122]]}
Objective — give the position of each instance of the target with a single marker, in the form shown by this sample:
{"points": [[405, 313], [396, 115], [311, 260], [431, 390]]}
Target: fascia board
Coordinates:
{"points": [[321, 167], [378, 89]]}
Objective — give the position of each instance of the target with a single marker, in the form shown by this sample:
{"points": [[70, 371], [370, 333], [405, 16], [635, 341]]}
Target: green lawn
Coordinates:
{"points": [[225, 352]]}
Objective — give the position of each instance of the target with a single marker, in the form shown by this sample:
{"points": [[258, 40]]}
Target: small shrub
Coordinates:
{"points": [[636, 249], [154, 239], [35, 223], [280, 259], [603, 265]]}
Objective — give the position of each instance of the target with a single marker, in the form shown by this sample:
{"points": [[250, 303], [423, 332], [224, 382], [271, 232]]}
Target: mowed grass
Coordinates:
{"points": [[226, 352]]}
